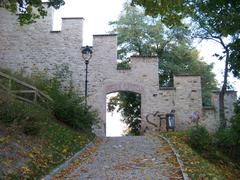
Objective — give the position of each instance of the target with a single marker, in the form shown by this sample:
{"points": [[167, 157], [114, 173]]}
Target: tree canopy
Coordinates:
{"points": [[147, 36], [129, 104], [28, 11], [217, 20]]}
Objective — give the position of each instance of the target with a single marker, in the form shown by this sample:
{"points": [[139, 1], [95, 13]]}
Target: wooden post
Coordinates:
{"points": [[35, 97], [10, 84]]}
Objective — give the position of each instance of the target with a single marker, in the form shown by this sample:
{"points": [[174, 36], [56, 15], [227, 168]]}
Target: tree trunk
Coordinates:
{"points": [[223, 122], [221, 108]]}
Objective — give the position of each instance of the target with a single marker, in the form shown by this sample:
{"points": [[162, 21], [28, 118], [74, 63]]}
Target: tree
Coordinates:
{"points": [[217, 20], [147, 36], [143, 35], [129, 104], [28, 11]]}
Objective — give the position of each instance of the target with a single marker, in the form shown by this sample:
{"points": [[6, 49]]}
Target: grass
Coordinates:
{"points": [[37, 155], [32, 140], [205, 165]]}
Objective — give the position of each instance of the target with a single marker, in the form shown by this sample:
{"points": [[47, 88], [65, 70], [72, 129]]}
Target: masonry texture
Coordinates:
{"points": [[36, 46]]}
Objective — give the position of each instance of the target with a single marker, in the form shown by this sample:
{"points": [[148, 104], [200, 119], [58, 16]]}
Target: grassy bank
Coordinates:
{"points": [[35, 139], [210, 165], [32, 156]]}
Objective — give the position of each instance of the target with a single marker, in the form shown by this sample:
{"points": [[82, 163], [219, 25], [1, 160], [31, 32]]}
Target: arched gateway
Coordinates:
{"points": [[124, 86], [43, 48]]}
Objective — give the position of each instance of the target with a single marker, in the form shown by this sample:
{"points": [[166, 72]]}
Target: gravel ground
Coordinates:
{"points": [[130, 157]]}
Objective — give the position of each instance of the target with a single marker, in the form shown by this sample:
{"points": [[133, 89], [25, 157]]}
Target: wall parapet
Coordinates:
{"points": [[96, 35], [206, 108], [167, 88], [66, 18]]}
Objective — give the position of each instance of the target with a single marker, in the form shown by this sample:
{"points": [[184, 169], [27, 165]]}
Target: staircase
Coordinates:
{"points": [[21, 90]]}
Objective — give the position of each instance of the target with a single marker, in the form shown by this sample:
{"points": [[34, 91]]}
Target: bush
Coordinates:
{"points": [[67, 105], [228, 140], [31, 126], [68, 108], [229, 143], [26, 115], [123, 65], [10, 110], [199, 138]]}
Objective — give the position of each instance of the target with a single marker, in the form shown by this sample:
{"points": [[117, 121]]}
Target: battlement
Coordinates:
{"points": [[35, 44]]}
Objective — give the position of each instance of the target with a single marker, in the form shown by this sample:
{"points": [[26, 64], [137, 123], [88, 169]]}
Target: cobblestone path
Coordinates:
{"points": [[139, 157]]}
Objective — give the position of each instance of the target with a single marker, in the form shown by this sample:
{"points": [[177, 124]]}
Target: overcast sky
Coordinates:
{"points": [[97, 15]]}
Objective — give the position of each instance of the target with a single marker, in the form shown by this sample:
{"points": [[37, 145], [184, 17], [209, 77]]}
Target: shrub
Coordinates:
{"points": [[199, 138], [67, 105], [31, 126], [68, 108], [123, 65], [228, 140], [10, 109]]}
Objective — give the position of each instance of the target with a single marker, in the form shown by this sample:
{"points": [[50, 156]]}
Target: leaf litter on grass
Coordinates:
{"points": [[198, 167]]}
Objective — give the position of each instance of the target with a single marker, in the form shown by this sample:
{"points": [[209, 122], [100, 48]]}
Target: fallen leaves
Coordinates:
{"points": [[135, 163], [25, 157], [198, 167], [75, 163]]}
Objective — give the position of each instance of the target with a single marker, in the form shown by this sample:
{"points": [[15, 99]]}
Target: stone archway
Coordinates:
{"points": [[122, 86]]}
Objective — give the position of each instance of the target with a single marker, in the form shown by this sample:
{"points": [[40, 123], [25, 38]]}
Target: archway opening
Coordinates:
{"points": [[123, 113]]}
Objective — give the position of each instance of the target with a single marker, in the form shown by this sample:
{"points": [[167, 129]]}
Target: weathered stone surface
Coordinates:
{"points": [[35, 45], [141, 157]]}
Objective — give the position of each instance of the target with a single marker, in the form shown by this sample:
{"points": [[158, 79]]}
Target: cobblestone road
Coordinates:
{"points": [[141, 157]]}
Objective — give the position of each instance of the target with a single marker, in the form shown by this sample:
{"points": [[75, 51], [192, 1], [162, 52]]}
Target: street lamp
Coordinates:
{"points": [[87, 55]]}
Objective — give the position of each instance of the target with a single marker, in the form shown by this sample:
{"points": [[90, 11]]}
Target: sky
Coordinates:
{"points": [[98, 14], [114, 126]]}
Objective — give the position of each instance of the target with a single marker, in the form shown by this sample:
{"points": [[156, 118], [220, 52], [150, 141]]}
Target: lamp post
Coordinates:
{"points": [[87, 55]]}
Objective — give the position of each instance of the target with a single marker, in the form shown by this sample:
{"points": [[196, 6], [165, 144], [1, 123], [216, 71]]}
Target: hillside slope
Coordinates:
{"points": [[32, 141]]}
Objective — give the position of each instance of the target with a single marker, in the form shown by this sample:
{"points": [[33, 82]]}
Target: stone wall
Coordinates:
{"points": [[211, 114], [37, 46]]}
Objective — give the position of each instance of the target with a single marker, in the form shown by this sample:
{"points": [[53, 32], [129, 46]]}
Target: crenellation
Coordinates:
{"points": [[35, 45]]}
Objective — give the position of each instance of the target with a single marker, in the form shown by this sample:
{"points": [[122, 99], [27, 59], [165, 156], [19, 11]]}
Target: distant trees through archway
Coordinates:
{"points": [[123, 113]]}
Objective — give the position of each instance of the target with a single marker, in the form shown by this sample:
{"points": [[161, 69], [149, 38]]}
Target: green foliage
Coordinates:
{"points": [[203, 165], [67, 105], [143, 35], [228, 140], [123, 65], [235, 58], [69, 108], [199, 138], [216, 20], [30, 10], [43, 142], [10, 111], [172, 12], [129, 104], [16, 112], [31, 125], [47, 145], [146, 36]]}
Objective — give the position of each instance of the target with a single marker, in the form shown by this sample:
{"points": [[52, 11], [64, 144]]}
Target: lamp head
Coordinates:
{"points": [[87, 53]]}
